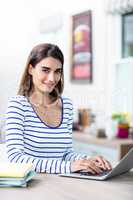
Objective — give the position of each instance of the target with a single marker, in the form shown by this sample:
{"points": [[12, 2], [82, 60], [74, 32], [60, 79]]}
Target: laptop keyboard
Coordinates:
{"points": [[84, 173]]}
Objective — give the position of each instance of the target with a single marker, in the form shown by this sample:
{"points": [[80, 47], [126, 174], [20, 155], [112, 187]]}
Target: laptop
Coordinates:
{"points": [[124, 165]]}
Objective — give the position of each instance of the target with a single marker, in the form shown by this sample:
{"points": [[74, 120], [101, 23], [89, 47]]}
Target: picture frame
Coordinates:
{"points": [[81, 47]]}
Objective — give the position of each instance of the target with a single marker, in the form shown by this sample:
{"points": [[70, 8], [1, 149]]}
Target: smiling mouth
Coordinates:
{"points": [[49, 85]]}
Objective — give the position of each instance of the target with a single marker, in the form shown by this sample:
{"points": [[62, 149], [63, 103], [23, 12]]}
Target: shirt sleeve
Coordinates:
{"points": [[71, 155], [15, 142]]}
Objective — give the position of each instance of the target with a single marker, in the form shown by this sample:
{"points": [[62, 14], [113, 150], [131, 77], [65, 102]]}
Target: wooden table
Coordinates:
{"points": [[53, 187], [122, 145]]}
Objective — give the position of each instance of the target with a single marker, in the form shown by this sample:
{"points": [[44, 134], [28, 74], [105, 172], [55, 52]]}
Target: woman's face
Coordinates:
{"points": [[46, 74]]}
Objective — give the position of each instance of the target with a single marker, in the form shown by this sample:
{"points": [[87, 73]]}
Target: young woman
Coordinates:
{"points": [[39, 119]]}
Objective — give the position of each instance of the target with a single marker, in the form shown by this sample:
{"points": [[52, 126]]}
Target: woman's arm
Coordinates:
{"points": [[15, 142], [71, 155], [94, 165]]}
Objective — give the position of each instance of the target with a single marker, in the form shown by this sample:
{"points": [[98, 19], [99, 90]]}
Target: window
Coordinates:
{"points": [[127, 35]]}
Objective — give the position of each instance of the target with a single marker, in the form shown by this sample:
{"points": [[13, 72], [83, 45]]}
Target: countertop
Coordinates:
{"points": [[49, 187]]}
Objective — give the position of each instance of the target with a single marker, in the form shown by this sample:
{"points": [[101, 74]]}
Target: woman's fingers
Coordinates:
{"points": [[90, 165], [94, 165], [107, 164], [100, 162], [103, 163]]}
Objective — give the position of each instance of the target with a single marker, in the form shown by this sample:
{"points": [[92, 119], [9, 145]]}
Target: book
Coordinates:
{"points": [[15, 174]]}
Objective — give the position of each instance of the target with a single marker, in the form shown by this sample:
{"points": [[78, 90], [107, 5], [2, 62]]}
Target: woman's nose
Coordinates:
{"points": [[51, 77]]}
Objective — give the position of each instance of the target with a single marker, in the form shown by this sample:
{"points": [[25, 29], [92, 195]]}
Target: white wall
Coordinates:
{"points": [[20, 32], [16, 38]]}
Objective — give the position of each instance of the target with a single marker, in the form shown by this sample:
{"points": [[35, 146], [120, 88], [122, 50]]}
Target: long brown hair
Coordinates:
{"points": [[38, 53]]}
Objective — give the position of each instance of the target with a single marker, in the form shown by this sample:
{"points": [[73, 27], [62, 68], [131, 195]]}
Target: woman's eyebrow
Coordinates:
{"points": [[58, 69], [45, 67]]}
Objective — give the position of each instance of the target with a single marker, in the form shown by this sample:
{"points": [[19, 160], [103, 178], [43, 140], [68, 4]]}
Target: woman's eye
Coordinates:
{"points": [[58, 72], [45, 70]]}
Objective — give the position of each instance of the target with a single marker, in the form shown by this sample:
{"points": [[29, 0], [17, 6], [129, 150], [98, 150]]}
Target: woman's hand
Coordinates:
{"points": [[102, 162], [95, 165]]}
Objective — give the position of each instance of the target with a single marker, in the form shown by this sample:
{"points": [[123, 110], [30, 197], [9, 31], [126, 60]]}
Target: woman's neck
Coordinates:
{"points": [[41, 99]]}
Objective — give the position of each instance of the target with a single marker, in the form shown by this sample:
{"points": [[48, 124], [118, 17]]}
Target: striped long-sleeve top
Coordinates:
{"points": [[29, 139]]}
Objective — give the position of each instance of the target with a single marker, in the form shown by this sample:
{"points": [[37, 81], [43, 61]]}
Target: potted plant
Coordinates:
{"points": [[123, 124]]}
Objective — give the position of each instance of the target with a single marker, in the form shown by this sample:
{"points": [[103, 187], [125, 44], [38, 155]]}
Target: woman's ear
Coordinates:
{"points": [[30, 69]]}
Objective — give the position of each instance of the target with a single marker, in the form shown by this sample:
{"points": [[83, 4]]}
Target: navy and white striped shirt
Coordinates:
{"points": [[29, 139]]}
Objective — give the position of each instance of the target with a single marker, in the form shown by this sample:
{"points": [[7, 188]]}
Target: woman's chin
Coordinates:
{"points": [[47, 91]]}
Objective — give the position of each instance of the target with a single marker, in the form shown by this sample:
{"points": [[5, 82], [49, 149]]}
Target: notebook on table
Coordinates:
{"points": [[15, 174], [124, 165]]}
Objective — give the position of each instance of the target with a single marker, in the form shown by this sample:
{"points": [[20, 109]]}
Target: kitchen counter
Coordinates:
{"points": [[121, 145]]}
